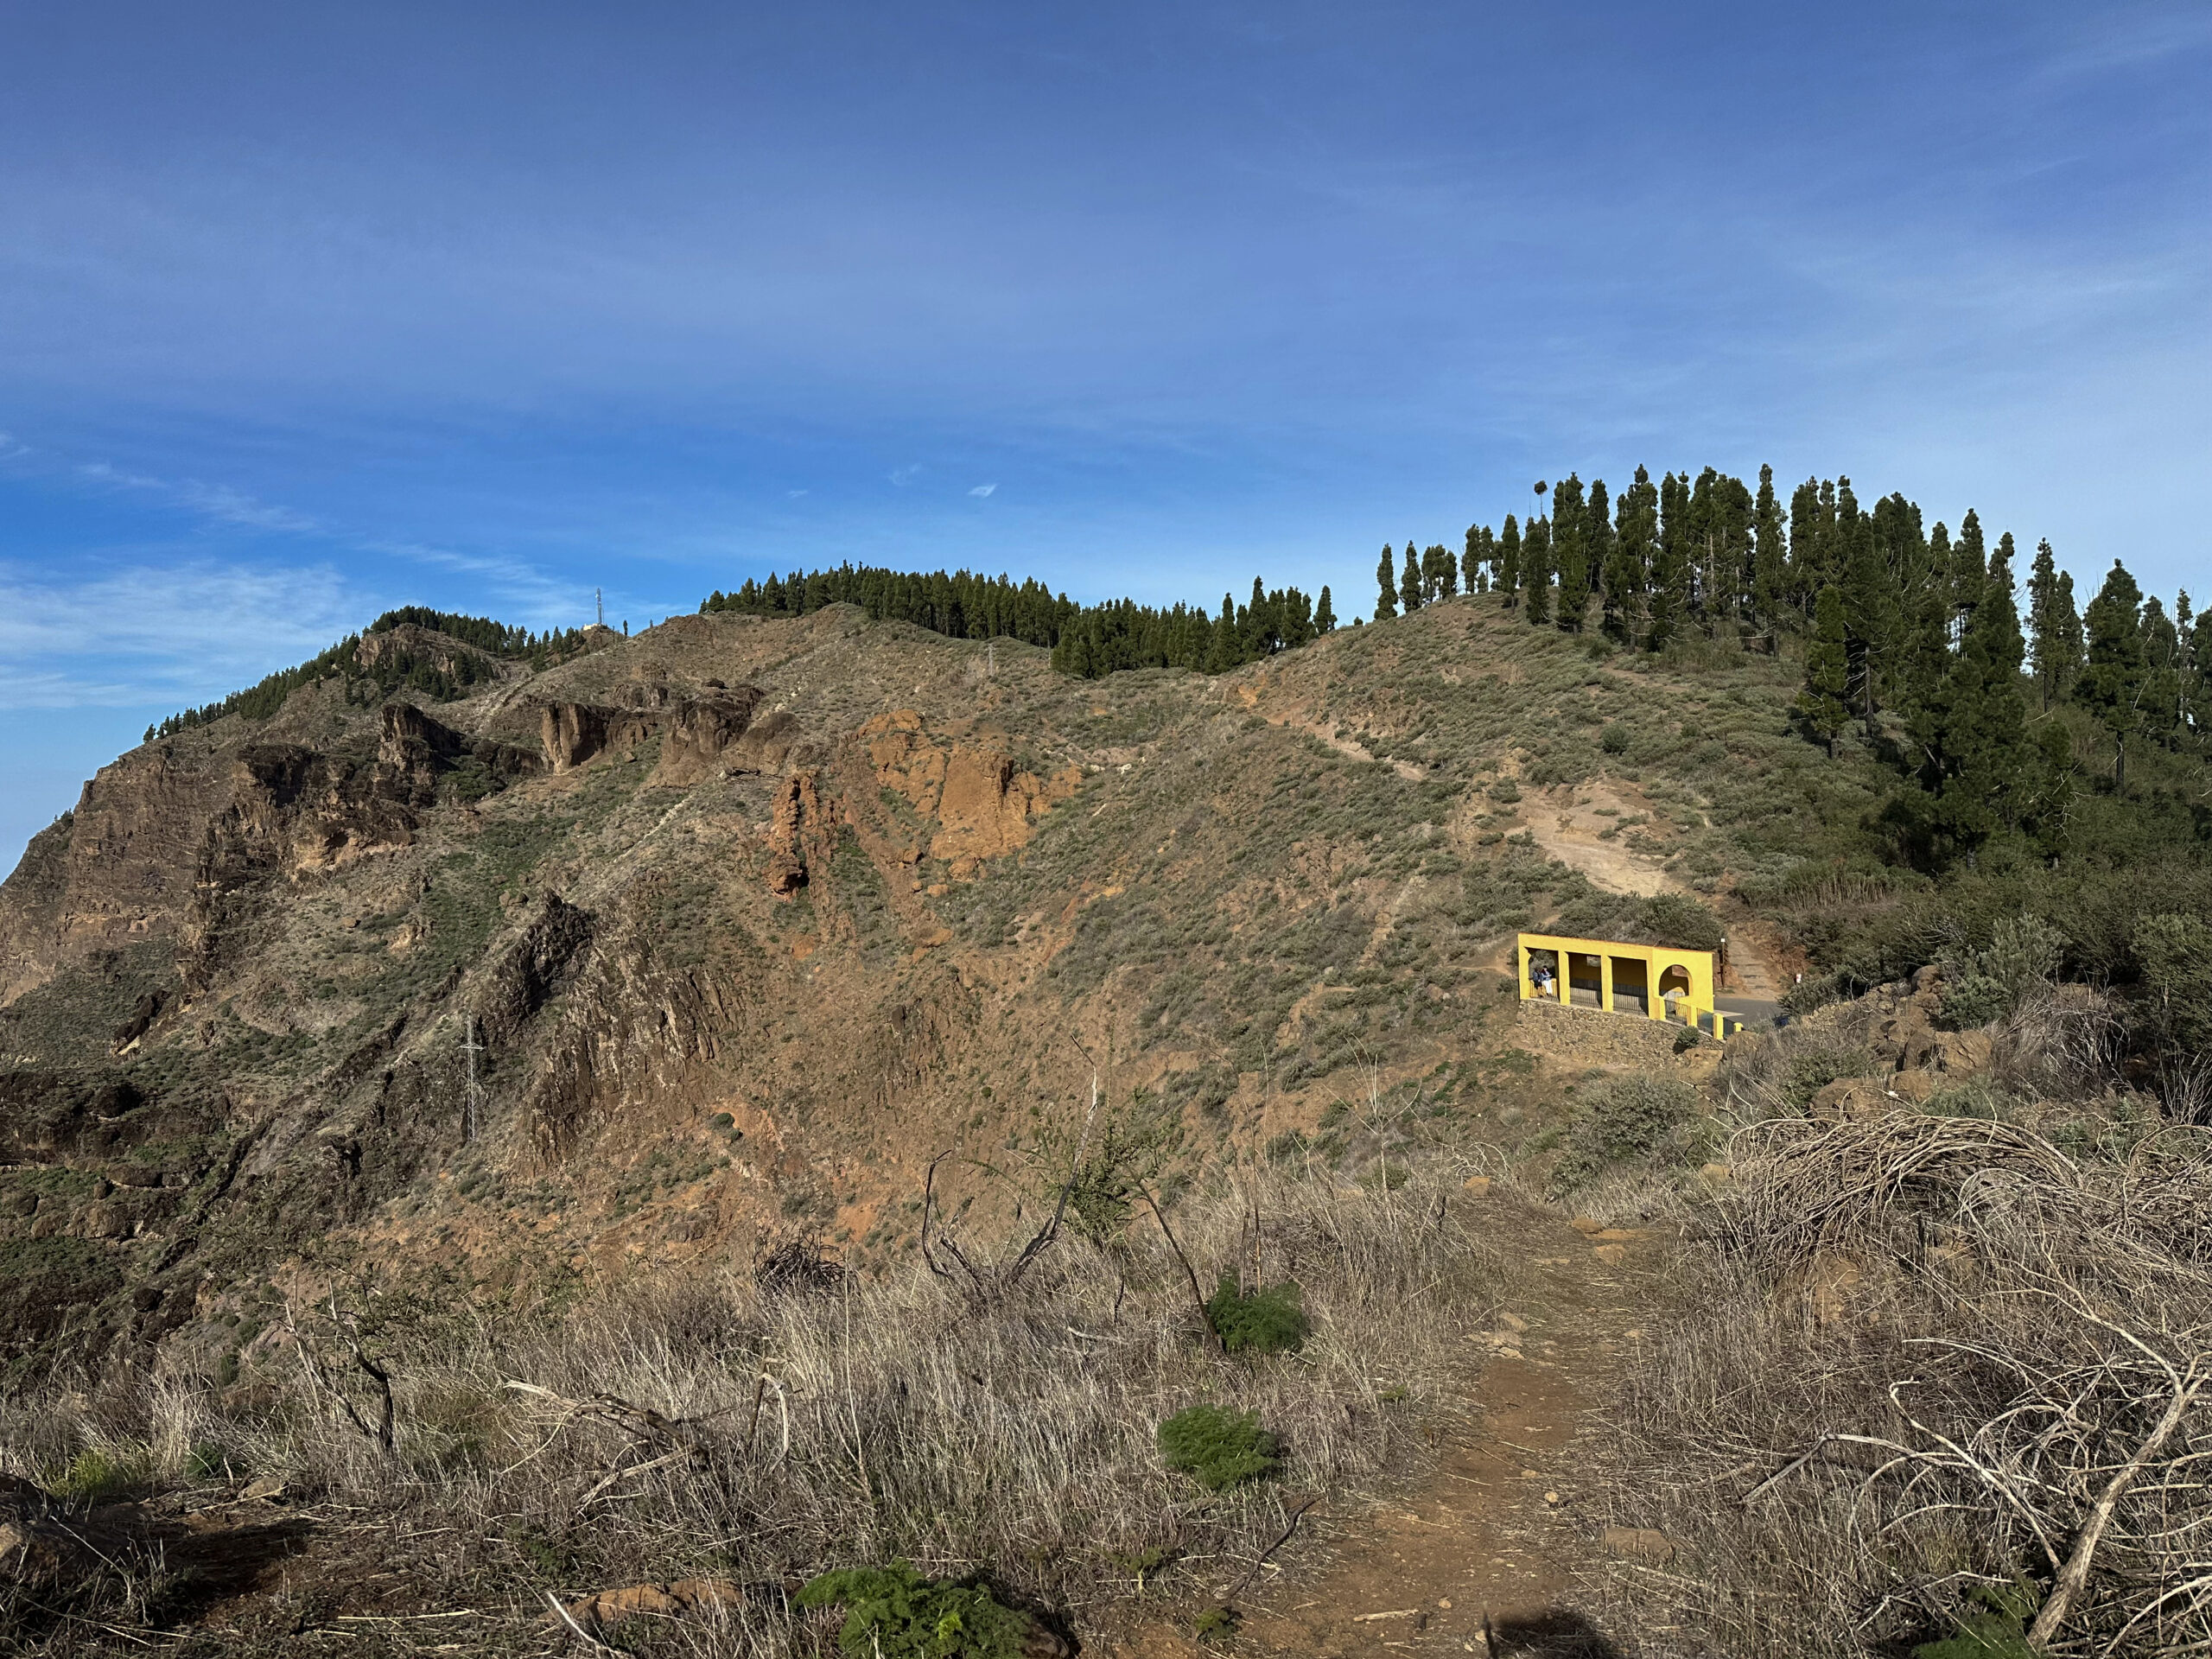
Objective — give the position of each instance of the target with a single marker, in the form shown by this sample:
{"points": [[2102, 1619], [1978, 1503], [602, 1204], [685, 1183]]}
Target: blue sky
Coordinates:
{"points": [[307, 310]]}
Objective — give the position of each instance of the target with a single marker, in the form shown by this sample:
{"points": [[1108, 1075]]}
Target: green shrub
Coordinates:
{"points": [[1215, 1625], [1616, 739], [895, 1612], [1219, 1449], [1676, 919], [1270, 1321], [1993, 1626], [1640, 1117], [103, 1474], [1978, 986]]}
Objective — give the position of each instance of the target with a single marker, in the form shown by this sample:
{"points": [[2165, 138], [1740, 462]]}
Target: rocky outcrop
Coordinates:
{"points": [[984, 803], [532, 969], [408, 645], [415, 748], [700, 732], [572, 732], [802, 834], [701, 735], [159, 837], [632, 1027]]}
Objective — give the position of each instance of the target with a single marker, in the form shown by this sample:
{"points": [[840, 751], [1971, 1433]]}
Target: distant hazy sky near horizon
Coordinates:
{"points": [[307, 310]]}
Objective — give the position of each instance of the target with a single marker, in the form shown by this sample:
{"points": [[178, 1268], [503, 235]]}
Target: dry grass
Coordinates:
{"points": [[698, 1426], [1928, 1353]]}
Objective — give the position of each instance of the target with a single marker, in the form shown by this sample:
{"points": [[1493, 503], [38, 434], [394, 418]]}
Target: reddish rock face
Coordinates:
{"points": [[803, 831], [984, 805]]}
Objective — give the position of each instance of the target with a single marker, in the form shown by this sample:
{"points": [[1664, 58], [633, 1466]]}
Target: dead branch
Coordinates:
{"points": [[1197, 1295], [1260, 1559], [1051, 1230], [2075, 1572]]}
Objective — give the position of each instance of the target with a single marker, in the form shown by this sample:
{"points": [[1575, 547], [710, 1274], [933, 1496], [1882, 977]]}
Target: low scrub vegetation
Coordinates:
{"points": [[703, 1427]]}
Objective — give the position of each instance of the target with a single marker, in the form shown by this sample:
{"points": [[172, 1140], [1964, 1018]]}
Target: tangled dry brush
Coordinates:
{"points": [[758, 1436], [1936, 1353]]}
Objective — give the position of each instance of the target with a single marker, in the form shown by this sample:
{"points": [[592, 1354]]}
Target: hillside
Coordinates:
{"points": [[521, 980], [868, 892]]}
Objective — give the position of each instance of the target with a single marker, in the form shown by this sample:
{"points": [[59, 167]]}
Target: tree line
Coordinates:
{"points": [[1087, 641], [1911, 633], [393, 669]]}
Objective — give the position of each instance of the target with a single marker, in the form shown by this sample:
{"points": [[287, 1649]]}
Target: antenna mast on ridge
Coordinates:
{"points": [[599, 600]]}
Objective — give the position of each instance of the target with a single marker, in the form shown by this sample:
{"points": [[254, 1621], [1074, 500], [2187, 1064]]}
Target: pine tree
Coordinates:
{"points": [[1507, 580], [1770, 560], [1969, 569], [1324, 613], [1869, 599], [1448, 573], [2112, 684], [1386, 574], [1668, 587], [1807, 544], [1409, 584], [1827, 671], [1989, 763], [2200, 675], [1474, 559], [1570, 552], [1598, 549], [1635, 531], [1536, 571], [2070, 643], [1928, 682], [1225, 650], [2160, 705]]}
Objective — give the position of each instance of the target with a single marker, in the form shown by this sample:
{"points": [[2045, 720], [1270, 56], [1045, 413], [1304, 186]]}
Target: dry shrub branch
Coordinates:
{"points": [[1931, 1354]]}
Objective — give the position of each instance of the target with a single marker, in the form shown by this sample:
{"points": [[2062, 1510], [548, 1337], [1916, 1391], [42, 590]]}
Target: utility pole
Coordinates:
{"points": [[471, 1048]]}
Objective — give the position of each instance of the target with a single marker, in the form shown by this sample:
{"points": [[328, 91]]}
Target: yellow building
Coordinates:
{"points": [[1656, 980]]}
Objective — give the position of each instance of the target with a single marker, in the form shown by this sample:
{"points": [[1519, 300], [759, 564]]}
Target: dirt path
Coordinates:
{"points": [[1477, 1556]]}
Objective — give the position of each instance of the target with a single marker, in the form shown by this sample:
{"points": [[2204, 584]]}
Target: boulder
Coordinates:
{"points": [[106, 1221]]}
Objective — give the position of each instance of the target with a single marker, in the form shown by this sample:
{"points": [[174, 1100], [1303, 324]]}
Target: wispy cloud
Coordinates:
{"points": [[148, 634], [230, 506], [904, 475], [100, 472], [983, 489], [218, 504]]}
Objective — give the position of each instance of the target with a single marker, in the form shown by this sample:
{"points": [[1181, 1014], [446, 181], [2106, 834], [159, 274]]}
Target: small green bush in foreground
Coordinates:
{"points": [[1993, 1626], [1270, 1321], [1219, 1449], [99, 1476], [900, 1614]]}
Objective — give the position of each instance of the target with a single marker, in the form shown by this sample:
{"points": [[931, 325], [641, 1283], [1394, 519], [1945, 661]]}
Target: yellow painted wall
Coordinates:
{"points": [[1697, 965]]}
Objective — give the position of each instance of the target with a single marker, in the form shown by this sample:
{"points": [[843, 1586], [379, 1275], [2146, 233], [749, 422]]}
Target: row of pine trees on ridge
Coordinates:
{"points": [[1088, 641], [1909, 632]]}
